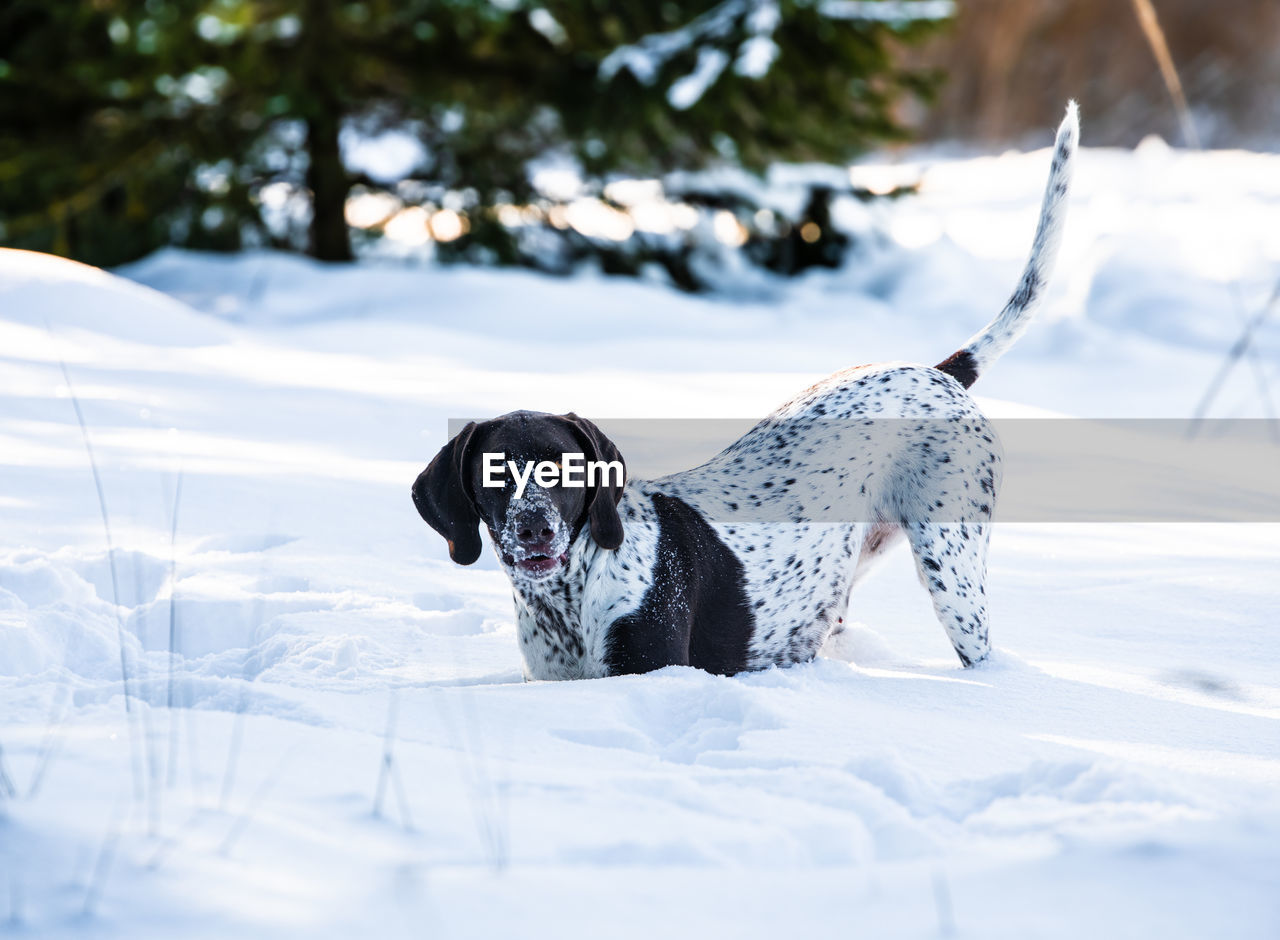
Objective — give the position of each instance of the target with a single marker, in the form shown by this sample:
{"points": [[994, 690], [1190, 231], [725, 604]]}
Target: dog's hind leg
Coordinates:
{"points": [[952, 560]]}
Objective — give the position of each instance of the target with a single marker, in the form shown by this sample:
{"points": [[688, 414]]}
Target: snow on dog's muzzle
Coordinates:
{"points": [[535, 541]]}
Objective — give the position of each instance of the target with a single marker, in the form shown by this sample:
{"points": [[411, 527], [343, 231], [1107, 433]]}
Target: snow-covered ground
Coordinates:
{"points": [[1112, 773]]}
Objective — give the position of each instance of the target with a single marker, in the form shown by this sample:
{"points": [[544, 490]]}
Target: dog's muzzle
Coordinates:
{"points": [[534, 544]]}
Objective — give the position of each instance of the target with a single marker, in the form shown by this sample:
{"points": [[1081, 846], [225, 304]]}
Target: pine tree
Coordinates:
{"points": [[128, 124], [86, 127]]}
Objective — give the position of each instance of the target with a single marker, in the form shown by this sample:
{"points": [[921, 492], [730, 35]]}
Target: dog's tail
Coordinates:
{"points": [[986, 346]]}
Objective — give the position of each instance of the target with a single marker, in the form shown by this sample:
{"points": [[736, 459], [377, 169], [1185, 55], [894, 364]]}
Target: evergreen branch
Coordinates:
{"points": [[85, 198]]}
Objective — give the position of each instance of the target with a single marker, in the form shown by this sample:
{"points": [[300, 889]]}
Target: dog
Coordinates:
{"points": [[747, 561]]}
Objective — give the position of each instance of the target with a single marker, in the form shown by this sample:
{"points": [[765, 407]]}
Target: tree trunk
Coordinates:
{"points": [[327, 180]]}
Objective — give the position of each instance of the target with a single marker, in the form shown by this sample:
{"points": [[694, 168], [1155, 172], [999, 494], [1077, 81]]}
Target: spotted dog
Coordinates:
{"points": [[747, 561]]}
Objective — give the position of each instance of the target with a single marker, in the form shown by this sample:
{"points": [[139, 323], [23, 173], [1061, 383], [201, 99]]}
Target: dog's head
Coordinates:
{"points": [[532, 531]]}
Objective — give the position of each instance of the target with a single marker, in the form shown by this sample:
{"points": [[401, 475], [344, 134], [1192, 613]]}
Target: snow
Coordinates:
{"points": [[352, 750], [646, 58], [385, 157], [686, 91], [758, 52], [896, 12], [755, 56]]}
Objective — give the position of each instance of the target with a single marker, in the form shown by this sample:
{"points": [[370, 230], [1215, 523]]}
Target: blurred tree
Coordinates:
{"points": [[88, 136], [129, 124]]}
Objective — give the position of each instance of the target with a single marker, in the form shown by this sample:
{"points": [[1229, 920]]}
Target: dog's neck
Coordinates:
{"points": [[551, 625]]}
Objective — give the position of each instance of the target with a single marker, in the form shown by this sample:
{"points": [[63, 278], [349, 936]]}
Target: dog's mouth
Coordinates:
{"points": [[540, 565]]}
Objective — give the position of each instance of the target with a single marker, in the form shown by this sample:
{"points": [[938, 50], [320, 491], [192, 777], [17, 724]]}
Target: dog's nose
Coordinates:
{"points": [[533, 528], [535, 532]]}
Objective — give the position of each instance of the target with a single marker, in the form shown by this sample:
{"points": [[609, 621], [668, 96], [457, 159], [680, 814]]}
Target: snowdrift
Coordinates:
{"points": [[325, 731]]}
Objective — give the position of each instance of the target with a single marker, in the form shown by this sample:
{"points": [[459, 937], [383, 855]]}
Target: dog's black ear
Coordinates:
{"points": [[602, 499], [443, 498]]}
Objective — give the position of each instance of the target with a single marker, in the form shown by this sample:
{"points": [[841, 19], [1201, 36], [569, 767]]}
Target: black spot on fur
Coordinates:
{"points": [[1026, 289]]}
